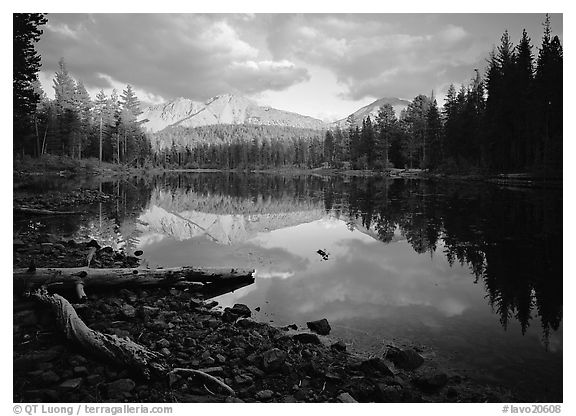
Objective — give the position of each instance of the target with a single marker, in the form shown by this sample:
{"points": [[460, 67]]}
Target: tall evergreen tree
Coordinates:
{"points": [[386, 126], [433, 136], [25, 66], [548, 98]]}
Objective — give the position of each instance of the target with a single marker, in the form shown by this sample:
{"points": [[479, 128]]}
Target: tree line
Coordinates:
{"points": [[508, 120], [72, 123], [238, 147]]}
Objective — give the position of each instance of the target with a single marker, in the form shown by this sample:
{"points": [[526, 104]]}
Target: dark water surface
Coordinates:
{"points": [[471, 272]]}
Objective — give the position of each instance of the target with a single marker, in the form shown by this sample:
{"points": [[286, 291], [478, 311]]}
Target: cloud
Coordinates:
{"points": [[373, 57], [196, 56], [266, 75]]}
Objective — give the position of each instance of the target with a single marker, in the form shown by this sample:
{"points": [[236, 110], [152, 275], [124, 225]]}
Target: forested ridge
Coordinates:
{"points": [[507, 119]]}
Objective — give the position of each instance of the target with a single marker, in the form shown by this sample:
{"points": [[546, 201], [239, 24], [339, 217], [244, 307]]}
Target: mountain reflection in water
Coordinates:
{"points": [[473, 270]]}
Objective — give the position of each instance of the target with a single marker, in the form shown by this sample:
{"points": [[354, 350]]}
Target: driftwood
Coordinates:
{"points": [[26, 279], [108, 347], [121, 351], [39, 211]]}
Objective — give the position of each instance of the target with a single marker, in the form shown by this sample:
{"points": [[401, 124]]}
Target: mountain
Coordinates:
{"points": [[372, 110], [222, 109]]}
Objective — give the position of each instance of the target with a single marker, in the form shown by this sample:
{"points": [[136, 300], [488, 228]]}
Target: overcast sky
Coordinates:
{"points": [[322, 65]]}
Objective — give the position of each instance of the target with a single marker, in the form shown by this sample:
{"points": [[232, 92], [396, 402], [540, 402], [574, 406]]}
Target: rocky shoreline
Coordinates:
{"points": [[260, 362]]}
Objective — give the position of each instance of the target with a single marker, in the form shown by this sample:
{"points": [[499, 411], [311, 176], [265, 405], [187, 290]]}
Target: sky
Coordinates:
{"points": [[322, 65]]}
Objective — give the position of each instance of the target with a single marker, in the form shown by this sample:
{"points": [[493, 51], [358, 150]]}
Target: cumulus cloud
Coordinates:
{"points": [[198, 56], [162, 55], [374, 57]]}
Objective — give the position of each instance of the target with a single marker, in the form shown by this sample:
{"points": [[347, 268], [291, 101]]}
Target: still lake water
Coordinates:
{"points": [[470, 272]]}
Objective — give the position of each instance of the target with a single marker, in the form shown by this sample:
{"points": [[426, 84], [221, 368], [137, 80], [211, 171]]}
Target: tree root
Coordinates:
{"points": [[112, 348]]}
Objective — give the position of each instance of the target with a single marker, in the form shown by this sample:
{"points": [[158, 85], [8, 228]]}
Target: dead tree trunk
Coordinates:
{"points": [[107, 347], [122, 351], [25, 279], [38, 211]]}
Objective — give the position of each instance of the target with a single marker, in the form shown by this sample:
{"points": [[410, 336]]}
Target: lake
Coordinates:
{"points": [[471, 273]]}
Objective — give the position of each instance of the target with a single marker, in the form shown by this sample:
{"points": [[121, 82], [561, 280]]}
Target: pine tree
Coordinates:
{"points": [[329, 147], [83, 105], [25, 66], [386, 127], [524, 78], [548, 97], [68, 120], [129, 101], [433, 136]]}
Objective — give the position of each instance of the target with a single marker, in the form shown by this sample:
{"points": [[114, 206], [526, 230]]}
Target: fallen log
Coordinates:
{"points": [[27, 279], [39, 211], [121, 351]]}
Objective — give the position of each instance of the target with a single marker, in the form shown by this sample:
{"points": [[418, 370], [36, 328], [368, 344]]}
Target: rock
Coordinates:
{"points": [[255, 370], [241, 310], [80, 371], [212, 323], [389, 394], [243, 380], [163, 343], [194, 303], [50, 377], [93, 379], [138, 253], [289, 399], [431, 380], [321, 326], [165, 352], [128, 311], [375, 364], [406, 359], [306, 338], [346, 398], [123, 385], [220, 358], [147, 311], [71, 384], [231, 399], [338, 346], [246, 323], [209, 361], [301, 394], [238, 352], [264, 395], [273, 359]]}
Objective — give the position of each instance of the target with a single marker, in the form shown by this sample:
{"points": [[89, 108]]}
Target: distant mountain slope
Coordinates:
{"points": [[222, 109], [372, 110]]}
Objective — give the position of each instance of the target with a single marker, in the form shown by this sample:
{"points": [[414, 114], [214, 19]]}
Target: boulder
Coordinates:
{"points": [[431, 380], [321, 326], [128, 311], [71, 384], [49, 377], [406, 359], [241, 310], [123, 385], [264, 395], [338, 346], [306, 338], [273, 359], [376, 365]]}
